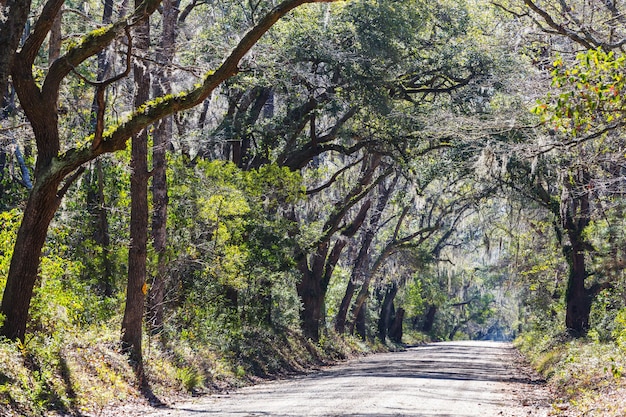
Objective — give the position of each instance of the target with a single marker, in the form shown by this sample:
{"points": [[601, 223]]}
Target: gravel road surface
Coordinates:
{"points": [[456, 379]]}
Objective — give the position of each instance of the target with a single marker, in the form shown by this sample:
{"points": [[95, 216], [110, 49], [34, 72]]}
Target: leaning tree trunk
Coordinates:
{"points": [[137, 253], [361, 266], [40, 208]]}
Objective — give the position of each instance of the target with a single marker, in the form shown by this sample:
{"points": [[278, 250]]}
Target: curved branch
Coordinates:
{"points": [[93, 43], [115, 138], [40, 31], [332, 179]]}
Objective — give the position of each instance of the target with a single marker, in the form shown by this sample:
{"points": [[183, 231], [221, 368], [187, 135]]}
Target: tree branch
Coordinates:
{"points": [[116, 137]]}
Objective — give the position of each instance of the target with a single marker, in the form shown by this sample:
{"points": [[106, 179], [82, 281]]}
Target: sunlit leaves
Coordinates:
{"points": [[589, 93]]}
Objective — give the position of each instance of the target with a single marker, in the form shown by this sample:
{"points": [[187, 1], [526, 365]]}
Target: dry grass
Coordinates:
{"points": [[586, 376], [85, 374]]}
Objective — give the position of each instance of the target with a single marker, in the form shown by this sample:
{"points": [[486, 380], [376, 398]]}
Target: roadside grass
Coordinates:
{"points": [[84, 374], [587, 375]]}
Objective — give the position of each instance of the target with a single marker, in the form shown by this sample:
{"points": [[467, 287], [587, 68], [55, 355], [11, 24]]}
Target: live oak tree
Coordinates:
{"points": [[581, 113], [57, 166]]}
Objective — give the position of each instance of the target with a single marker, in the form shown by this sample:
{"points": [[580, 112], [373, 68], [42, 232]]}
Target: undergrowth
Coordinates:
{"points": [[587, 374], [84, 374]]}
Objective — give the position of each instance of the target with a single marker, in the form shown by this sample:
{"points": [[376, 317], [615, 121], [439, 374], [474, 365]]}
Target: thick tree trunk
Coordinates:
{"points": [[40, 208], [312, 298], [387, 311], [45, 196], [429, 319], [395, 331], [137, 254], [575, 217], [360, 324], [578, 299]]}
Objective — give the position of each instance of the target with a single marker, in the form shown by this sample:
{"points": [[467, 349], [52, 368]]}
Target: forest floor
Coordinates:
{"points": [[450, 379]]}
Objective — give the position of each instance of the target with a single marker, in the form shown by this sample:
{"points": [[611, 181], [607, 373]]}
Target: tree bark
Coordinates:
{"points": [[387, 311], [575, 217], [312, 298], [429, 319], [161, 141], [137, 254], [395, 331], [40, 209], [54, 43], [10, 34], [577, 298]]}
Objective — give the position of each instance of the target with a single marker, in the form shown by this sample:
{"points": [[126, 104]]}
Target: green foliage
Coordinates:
{"points": [[9, 223], [233, 251], [619, 332], [189, 378], [589, 93]]}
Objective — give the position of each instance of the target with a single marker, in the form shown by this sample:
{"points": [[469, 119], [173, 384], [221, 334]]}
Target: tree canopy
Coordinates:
{"points": [[210, 172]]}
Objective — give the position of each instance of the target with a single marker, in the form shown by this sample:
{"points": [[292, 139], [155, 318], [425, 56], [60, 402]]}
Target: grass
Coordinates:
{"points": [[83, 373], [586, 374]]}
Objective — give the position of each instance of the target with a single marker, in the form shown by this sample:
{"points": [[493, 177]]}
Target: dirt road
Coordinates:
{"points": [[456, 379]]}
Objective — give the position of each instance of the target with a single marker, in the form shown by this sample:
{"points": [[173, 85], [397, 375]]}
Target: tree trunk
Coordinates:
{"points": [[137, 254], [45, 196], [577, 298], [40, 208], [340, 318], [395, 331], [161, 141], [360, 323], [312, 298], [387, 311], [429, 319], [575, 217], [11, 31], [362, 265]]}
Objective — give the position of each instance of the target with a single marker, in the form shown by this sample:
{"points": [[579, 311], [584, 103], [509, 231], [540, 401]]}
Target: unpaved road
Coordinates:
{"points": [[456, 379]]}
